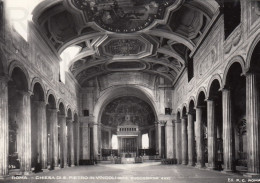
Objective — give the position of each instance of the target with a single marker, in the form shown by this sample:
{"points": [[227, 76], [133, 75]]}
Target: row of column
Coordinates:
{"points": [[48, 154], [166, 149], [186, 156]]}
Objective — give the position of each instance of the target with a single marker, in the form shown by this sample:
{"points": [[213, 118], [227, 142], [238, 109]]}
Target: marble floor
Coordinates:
{"points": [[129, 173]]}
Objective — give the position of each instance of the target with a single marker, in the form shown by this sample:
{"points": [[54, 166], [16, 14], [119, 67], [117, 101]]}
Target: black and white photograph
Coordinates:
{"points": [[129, 91]]}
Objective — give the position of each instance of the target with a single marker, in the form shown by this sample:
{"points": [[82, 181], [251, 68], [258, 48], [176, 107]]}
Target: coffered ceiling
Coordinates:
{"points": [[149, 36]]}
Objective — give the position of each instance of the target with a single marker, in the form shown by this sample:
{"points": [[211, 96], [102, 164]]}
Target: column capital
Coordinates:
{"points": [[184, 117], [61, 115], [25, 93], [69, 120], [200, 107], [5, 78], [225, 88], [250, 72], [40, 103], [209, 99], [52, 109], [191, 112], [163, 122]]}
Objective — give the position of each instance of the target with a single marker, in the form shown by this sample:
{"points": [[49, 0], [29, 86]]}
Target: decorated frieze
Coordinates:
{"points": [[43, 65], [233, 40]]}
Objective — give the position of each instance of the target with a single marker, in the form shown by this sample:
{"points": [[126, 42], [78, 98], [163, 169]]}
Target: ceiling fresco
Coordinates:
{"points": [[155, 37], [128, 110], [123, 15]]}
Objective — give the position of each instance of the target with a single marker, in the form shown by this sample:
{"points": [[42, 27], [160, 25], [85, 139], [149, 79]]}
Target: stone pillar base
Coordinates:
{"points": [[3, 177], [252, 175], [45, 170], [56, 168], [191, 164], [27, 173], [227, 171], [72, 166], [200, 166], [211, 168]]}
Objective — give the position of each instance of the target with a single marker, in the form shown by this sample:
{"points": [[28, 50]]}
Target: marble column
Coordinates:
{"points": [[53, 117], [140, 140], [63, 140], [110, 139], [71, 142], [77, 148], [253, 124], [95, 141], [191, 139], [212, 135], [158, 139], [40, 108], [85, 141], [4, 127], [99, 141], [199, 138], [228, 149], [169, 139], [178, 142], [184, 141], [150, 138], [24, 115]]}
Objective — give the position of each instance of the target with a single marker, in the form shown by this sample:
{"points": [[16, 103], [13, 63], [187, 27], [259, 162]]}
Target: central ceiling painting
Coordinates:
{"points": [[123, 15]]}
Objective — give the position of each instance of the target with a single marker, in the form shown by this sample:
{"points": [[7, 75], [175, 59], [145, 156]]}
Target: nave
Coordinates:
{"points": [[130, 173]]}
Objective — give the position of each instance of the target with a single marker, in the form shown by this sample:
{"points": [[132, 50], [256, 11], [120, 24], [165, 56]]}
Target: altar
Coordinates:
{"points": [[128, 140]]}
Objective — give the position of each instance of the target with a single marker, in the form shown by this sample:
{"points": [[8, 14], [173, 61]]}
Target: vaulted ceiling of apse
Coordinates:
{"points": [[154, 37]]}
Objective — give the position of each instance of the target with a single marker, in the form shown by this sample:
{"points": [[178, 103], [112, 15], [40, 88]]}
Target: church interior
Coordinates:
{"points": [[90, 82]]}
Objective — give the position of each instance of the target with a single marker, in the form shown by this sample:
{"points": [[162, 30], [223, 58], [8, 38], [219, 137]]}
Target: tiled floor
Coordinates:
{"points": [[130, 173]]}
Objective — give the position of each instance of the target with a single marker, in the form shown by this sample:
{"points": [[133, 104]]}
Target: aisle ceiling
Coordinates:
{"points": [[149, 36]]}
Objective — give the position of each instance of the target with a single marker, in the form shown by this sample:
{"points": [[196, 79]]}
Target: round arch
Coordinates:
{"points": [[49, 94], [75, 115], [38, 80], [69, 113], [250, 52], [235, 59], [3, 62], [184, 110], [201, 89], [61, 107], [213, 78], [191, 100], [120, 91], [17, 64]]}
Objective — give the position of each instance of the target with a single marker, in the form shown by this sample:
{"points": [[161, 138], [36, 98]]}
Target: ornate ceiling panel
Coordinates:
{"points": [[126, 47], [124, 16], [154, 37]]}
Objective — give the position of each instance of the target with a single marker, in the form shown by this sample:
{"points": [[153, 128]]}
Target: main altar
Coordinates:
{"points": [[128, 135]]}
